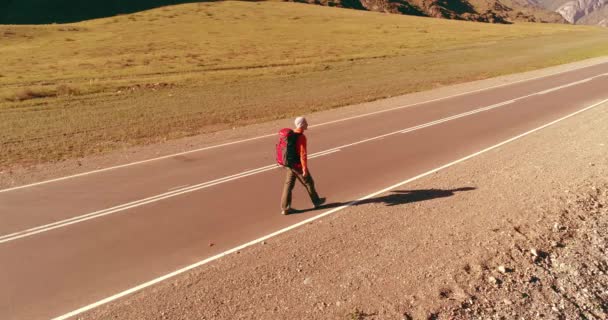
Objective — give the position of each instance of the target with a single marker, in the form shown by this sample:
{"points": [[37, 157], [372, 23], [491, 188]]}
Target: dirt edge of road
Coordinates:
{"points": [[517, 232], [18, 176]]}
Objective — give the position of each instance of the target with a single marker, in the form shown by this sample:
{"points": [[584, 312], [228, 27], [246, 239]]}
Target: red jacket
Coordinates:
{"points": [[301, 148]]}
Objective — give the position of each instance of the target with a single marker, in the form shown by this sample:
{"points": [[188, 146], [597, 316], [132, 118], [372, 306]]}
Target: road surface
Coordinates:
{"points": [[69, 243]]}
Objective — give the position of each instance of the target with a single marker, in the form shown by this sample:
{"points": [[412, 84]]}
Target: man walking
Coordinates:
{"points": [[299, 170]]}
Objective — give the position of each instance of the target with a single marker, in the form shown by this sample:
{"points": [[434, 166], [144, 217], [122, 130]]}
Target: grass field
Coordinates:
{"points": [[79, 89]]}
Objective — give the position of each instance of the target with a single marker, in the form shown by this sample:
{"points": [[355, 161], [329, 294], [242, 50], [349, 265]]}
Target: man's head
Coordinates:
{"points": [[301, 123]]}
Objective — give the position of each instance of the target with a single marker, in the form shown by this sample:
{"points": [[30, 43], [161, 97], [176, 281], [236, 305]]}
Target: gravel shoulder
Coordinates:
{"points": [[517, 232]]}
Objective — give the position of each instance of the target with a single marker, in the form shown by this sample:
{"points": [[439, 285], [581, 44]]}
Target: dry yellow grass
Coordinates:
{"points": [[79, 89]]}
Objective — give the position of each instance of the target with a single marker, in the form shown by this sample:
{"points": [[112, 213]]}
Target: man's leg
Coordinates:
{"points": [[309, 183], [290, 180]]}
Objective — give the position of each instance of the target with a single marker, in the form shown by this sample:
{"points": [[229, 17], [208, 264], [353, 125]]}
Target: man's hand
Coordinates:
{"points": [[304, 173]]}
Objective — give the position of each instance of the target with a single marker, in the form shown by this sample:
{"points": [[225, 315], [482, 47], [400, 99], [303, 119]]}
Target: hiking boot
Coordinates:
{"points": [[287, 211], [320, 202]]}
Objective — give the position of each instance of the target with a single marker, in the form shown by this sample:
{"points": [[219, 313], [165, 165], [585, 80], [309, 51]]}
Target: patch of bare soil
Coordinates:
{"points": [[519, 232], [560, 273]]}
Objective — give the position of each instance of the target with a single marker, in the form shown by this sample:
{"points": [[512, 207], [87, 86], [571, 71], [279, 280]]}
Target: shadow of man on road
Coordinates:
{"points": [[397, 197]]}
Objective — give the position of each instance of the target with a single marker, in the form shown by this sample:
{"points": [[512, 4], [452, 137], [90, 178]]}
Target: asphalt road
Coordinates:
{"points": [[70, 243]]}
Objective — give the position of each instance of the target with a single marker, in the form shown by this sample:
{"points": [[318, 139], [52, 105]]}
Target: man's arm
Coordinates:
{"points": [[303, 155]]}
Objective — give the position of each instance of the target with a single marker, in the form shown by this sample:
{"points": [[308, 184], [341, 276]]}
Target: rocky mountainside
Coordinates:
{"points": [[593, 12], [493, 11], [598, 17]]}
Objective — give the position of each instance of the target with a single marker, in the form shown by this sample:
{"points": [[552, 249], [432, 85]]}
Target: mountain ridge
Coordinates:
{"points": [[491, 11], [588, 12]]}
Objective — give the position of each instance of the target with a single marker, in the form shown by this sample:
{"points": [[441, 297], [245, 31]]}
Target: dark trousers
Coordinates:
{"points": [[290, 181]]}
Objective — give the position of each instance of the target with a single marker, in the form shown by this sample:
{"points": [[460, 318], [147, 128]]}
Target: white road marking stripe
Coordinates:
{"points": [[130, 205], [146, 200], [324, 153], [137, 203], [178, 187], [301, 223], [566, 86], [273, 134], [494, 106]]}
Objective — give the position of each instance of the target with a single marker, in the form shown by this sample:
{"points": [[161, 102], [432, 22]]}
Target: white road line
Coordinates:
{"points": [[273, 134], [130, 205], [494, 106], [566, 86], [324, 153], [324, 214], [163, 196], [178, 187]]}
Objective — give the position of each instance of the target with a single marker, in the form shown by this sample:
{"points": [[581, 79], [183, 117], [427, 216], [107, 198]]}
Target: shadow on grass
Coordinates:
{"points": [[397, 197], [457, 6], [66, 11]]}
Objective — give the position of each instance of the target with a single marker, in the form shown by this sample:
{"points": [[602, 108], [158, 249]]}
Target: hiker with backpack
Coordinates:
{"points": [[292, 155]]}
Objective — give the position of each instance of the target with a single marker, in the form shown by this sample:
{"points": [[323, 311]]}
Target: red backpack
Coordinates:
{"points": [[287, 154]]}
